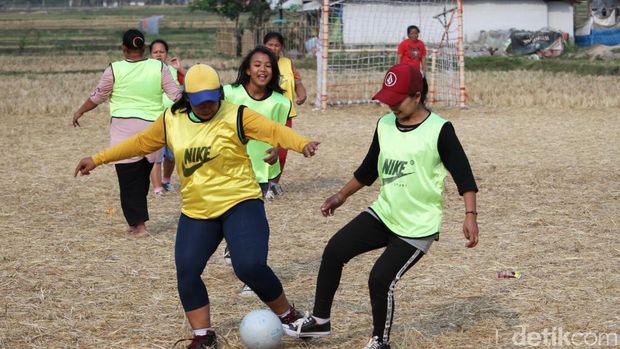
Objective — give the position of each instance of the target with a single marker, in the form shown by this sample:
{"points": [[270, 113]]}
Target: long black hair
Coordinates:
{"points": [[273, 35], [412, 27], [424, 92], [243, 78]]}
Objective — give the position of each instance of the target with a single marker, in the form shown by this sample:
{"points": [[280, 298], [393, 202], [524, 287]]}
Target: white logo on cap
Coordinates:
{"points": [[390, 79]]}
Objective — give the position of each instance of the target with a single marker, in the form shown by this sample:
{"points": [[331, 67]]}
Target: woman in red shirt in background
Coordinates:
{"points": [[412, 50]]}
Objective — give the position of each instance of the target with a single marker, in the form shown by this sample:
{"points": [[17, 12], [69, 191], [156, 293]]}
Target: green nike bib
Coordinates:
{"points": [[137, 89], [410, 201], [277, 108]]}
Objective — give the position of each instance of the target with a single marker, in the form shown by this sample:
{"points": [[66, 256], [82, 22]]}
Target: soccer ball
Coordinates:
{"points": [[261, 329]]}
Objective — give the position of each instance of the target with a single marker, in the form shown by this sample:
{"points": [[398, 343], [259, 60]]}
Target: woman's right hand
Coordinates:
{"points": [[76, 116], [175, 62], [332, 203], [84, 167]]}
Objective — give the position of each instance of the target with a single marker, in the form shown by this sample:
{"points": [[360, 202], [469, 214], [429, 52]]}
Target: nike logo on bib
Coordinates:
{"points": [[389, 180], [395, 169], [199, 156]]}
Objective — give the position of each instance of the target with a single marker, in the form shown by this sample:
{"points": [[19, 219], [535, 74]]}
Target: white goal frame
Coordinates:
{"points": [[344, 77]]}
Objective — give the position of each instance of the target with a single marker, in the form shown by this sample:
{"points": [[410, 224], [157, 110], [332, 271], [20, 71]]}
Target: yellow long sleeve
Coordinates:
{"points": [[149, 140], [258, 127]]}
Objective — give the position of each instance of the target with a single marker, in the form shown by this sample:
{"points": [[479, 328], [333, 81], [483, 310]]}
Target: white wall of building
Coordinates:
{"points": [[382, 24], [481, 15], [561, 16]]}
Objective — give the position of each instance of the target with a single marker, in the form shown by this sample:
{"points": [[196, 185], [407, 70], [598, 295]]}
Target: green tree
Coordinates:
{"points": [[258, 10]]}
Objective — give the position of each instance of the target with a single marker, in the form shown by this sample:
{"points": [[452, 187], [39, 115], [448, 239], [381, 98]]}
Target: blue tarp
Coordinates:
{"points": [[607, 37]]}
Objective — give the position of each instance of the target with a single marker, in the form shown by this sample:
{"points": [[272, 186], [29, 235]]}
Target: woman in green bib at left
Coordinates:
{"points": [[134, 87], [220, 196]]}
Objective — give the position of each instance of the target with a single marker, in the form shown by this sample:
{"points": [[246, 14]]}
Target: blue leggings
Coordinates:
{"points": [[246, 231]]}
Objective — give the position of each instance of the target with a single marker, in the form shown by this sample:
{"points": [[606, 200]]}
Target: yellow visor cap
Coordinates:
{"points": [[202, 84]]}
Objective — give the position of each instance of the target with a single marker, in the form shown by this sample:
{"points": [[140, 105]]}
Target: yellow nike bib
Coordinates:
{"points": [[211, 160], [287, 82]]}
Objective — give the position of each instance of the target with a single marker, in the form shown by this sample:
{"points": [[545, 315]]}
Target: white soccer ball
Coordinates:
{"points": [[261, 329]]}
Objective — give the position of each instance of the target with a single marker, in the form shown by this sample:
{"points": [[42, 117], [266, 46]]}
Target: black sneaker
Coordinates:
{"points": [[208, 341], [227, 258], [374, 343], [167, 186], [307, 327]]}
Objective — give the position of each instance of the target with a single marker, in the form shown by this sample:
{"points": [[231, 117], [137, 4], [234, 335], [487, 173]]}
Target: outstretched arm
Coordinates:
{"points": [[98, 96], [145, 142], [258, 127]]}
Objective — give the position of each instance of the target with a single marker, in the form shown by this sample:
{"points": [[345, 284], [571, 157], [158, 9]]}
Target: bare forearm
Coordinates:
{"points": [[300, 89], [469, 198], [87, 106], [350, 188]]}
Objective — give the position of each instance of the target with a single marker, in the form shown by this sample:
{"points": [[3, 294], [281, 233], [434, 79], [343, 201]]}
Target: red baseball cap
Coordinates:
{"points": [[401, 80]]}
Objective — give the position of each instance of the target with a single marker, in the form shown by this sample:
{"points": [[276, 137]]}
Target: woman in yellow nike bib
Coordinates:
{"points": [[221, 198]]}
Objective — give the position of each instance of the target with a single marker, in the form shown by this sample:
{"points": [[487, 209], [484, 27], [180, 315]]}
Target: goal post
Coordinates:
{"points": [[359, 40]]}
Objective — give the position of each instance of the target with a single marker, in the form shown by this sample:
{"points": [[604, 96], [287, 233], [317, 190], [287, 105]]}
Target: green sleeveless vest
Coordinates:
{"points": [[276, 108], [410, 201], [137, 89]]}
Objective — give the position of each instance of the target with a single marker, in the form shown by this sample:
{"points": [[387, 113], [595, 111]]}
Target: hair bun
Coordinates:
{"points": [[133, 39]]}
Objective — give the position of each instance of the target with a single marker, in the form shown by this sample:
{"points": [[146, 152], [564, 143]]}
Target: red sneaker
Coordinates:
{"points": [[208, 341]]}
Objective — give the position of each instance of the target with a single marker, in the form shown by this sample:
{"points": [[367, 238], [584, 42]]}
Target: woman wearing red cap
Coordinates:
{"points": [[220, 196], [411, 149]]}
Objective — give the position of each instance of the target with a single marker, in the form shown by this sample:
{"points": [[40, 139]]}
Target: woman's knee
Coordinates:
{"points": [[377, 282], [186, 270], [248, 269], [332, 254]]}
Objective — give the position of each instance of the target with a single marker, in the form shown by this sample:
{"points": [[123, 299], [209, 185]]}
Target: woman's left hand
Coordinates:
{"points": [[84, 167], [470, 230], [272, 155], [311, 148], [301, 98]]}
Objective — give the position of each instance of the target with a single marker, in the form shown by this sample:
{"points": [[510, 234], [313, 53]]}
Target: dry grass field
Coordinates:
{"points": [[544, 149]]}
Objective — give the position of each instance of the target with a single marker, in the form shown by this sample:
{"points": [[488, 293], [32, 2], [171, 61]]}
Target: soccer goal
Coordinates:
{"points": [[359, 40]]}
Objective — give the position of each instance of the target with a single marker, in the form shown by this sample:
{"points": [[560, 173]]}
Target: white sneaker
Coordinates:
{"points": [[246, 291], [269, 195], [374, 343]]}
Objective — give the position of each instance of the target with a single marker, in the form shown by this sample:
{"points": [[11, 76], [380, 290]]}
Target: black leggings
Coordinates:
{"points": [[134, 182], [366, 233]]}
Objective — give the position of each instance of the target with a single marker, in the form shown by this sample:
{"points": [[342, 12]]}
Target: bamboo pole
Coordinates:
{"points": [[431, 86], [461, 53], [324, 52]]}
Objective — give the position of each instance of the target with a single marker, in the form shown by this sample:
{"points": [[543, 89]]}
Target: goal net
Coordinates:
{"points": [[359, 40]]}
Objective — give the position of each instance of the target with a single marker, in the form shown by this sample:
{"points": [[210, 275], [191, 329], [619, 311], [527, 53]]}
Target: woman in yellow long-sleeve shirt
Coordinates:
{"points": [[221, 198]]}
